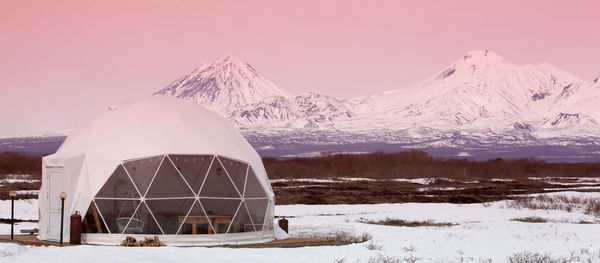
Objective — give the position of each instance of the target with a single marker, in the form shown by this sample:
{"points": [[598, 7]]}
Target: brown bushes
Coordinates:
{"points": [[590, 206], [14, 163], [405, 223], [419, 164], [531, 219]]}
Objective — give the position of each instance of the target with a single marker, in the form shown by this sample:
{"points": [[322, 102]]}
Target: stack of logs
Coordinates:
{"points": [[147, 242]]}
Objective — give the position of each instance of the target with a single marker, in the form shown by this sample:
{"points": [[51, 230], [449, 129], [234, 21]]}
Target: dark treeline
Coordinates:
{"points": [[14, 163], [378, 165], [419, 164]]}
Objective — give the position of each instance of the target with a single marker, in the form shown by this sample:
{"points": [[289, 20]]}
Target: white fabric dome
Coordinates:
{"points": [[155, 126]]}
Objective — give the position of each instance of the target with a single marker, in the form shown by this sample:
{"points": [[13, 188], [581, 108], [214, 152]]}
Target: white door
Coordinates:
{"points": [[56, 179]]}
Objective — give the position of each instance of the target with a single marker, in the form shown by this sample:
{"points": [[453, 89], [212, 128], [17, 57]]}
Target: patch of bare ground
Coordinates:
{"points": [[392, 191], [406, 223], [388, 179], [5, 189], [289, 243], [8, 220], [338, 238]]}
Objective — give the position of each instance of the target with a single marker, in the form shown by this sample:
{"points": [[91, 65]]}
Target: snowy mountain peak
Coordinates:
{"points": [[231, 61], [472, 63], [229, 58], [223, 86], [486, 56]]}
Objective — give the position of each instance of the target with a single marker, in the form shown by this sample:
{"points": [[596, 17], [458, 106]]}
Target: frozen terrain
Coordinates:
{"points": [[481, 233]]}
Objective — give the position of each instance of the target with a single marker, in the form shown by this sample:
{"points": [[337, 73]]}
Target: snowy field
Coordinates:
{"points": [[482, 233]]}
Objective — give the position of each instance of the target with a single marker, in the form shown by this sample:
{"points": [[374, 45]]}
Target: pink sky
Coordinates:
{"points": [[62, 61]]}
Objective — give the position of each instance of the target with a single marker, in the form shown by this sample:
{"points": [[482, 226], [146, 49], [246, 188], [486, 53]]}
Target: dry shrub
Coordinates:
{"points": [[385, 259], [592, 207], [583, 255], [342, 237], [531, 219], [529, 257], [372, 245], [405, 223], [588, 205], [349, 238]]}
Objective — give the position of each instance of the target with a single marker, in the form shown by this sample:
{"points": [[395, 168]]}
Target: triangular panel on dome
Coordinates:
{"points": [[168, 183], [116, 213], [196, 222], [269, 217], [170, 213], [257, 209], [142, 222], [221, 212], [236, 170], [192, 167], [218, 183], [142, 171], [253, 187], [242, 221], [92, 221], [118, 185]]}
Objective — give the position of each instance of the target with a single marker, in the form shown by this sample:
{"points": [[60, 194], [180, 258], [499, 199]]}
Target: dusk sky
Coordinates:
{"points": [[61, 62]]}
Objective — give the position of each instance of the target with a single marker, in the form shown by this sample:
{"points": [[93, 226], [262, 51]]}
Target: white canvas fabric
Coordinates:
{"points": [[153, 126]]}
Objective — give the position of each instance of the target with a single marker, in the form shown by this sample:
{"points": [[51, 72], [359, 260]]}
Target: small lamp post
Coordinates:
{"points": [[12, 195], [62, 196]]}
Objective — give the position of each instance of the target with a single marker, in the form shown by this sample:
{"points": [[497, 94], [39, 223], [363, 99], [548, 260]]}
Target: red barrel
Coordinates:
{"points": [[75, 228], [283, 224]]}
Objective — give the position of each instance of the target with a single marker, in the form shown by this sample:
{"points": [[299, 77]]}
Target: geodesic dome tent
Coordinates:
{"points": [[159, 166]]}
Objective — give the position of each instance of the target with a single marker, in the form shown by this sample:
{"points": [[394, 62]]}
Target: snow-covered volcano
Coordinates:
{"points": [[481, 96], [481, 90], [223, 86], [237, 91]]}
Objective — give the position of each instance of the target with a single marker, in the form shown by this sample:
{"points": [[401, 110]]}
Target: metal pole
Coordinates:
{"points": [[62, 218], [12, 217]]}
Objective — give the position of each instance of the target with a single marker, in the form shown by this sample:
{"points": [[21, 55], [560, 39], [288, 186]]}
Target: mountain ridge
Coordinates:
{"points": [[481, 95]]}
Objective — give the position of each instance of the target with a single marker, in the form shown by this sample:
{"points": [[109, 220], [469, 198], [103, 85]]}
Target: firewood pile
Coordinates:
{"points": [[147, 242], [130, 242]]}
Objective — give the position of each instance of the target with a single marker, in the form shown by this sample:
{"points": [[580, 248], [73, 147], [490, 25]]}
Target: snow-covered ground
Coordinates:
{"points": [[24, 209], [483, 232]]}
